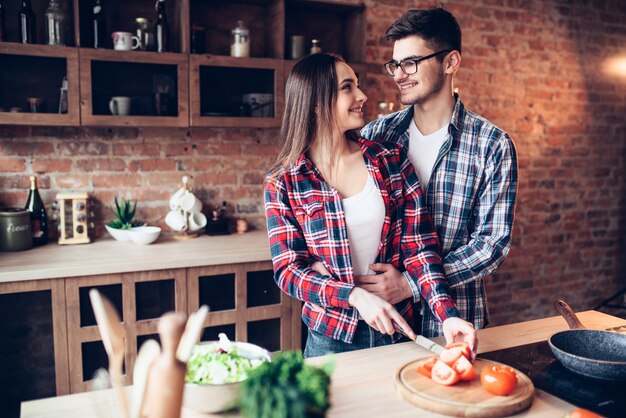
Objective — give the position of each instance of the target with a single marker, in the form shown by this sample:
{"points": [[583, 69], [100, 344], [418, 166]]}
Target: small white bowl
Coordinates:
{"points": [[118, 234], [219, 398], [144, 235]]}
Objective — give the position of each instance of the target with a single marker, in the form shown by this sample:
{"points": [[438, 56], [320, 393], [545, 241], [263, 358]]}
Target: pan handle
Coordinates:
{"points": [[568, 313]]}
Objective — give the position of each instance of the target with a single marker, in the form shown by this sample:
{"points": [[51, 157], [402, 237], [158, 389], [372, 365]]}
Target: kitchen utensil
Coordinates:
{"points": [[191, 336], [73, 219], [148, 352], [422, 341], [114, 340], [167, 374], [465, 398], [592, 353]]}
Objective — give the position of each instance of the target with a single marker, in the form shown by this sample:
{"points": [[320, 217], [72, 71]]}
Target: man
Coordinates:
{"points": [[467, 166]]}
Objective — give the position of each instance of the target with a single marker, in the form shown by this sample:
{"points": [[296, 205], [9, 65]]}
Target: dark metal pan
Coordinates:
{"points": [[596, 354]]}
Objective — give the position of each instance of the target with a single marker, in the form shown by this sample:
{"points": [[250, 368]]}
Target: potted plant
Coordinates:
{"points": [[125, 212]]}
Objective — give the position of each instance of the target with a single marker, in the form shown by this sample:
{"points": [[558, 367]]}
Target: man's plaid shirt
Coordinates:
{"points": [[306, 223], [471, 198]]}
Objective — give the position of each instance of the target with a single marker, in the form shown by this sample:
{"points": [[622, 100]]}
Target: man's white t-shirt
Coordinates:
{"points": [[423, 151]]}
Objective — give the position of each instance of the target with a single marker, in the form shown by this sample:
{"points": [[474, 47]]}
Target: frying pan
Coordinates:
{"points": [[596, 354]]}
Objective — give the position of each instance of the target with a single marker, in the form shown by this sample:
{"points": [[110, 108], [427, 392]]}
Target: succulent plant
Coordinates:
{"points": [[125, 212]]}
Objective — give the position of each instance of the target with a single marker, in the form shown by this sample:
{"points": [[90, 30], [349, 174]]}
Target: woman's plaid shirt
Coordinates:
{"points": [[471, 198], [306, 223]]}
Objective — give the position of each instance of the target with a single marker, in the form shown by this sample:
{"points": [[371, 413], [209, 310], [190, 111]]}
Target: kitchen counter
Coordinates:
{"points": [[362, 383], [107, 256]]}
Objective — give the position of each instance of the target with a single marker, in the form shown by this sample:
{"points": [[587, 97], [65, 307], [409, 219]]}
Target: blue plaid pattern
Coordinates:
{"points": [[471, 198], [306, 223]]}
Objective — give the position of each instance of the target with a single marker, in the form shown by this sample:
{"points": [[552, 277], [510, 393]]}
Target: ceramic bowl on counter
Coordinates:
{"points": [[144, 235], [212, 397], [118, 234]]}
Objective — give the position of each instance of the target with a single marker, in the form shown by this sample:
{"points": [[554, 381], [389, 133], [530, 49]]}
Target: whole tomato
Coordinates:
{"points": [[498, 380], [582, 413]]}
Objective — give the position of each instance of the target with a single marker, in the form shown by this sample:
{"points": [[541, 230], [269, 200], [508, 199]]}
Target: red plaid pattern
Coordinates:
{"points": [[306, 223]]}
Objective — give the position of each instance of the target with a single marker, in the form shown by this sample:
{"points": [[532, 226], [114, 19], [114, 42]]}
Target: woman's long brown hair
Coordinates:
{"points": [[310, 96]]}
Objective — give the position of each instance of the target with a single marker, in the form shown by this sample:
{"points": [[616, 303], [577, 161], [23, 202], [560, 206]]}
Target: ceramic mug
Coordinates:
{"points": [[176, 221], [190, 203], [119, 105], [197, 221], [125, 41]]}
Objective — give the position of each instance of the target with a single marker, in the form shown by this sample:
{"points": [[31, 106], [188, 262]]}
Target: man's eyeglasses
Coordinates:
{"points": [[409, 65]]}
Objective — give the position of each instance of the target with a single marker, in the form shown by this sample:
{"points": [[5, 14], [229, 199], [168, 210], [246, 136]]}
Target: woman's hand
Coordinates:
{"points": [[456, 329], [378, 314]]}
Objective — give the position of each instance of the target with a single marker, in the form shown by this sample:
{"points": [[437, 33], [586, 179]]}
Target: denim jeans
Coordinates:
{"points": [[318, 344]]}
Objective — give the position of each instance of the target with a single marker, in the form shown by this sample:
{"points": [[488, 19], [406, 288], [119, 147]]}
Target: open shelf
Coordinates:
{"points": [[224, 91], [262, 17], [11, 7], [140, 76], [120, 15], [38, 71], [338, 27]]}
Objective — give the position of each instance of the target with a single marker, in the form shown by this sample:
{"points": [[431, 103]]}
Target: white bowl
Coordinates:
{"points": [[144, 235], [118, 234], [218, 398]]}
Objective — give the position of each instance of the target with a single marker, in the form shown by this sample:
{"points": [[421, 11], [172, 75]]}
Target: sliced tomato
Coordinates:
{"points": [[465, 349], [450, 355], [498, 380], [444, 374], [582, 413], [426, 368], [464, 368]]}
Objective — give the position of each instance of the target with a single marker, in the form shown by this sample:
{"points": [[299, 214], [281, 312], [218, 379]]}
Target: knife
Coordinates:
{"points": [[422, 341]]}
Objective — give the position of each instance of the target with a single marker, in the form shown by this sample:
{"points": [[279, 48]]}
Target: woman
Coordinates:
{"points": [[346, 203]]}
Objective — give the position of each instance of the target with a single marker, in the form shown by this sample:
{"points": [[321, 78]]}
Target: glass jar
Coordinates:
{"points": [[240, 41], [143, 32], [316, 47], [55, 21]]}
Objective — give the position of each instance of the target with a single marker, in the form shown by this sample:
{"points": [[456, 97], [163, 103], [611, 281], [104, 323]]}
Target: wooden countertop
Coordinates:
{"points": [[107, 256], [362, 383]]}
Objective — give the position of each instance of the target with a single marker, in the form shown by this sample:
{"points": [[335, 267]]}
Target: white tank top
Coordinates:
{"points": [[365, 215]]}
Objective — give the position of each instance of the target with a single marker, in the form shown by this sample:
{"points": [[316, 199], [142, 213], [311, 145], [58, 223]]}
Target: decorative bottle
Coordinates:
{"points": [[161, 28], [98, 25], [240, 41], [26, 24], [55, 24], [38, 218]]}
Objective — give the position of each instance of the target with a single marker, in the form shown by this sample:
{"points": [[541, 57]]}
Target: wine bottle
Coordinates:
{"points": [[38, 217], [161, 28], [98, 25], [26, 23]]}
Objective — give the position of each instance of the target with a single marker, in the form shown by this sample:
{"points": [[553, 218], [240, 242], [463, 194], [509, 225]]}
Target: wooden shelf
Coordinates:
{"points": [[234, 73], [340, 25], [127, 84], [46, 62]]}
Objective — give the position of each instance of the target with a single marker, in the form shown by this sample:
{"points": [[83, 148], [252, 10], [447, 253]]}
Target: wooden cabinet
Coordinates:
{"points": [[208, 89], [243, 299]]}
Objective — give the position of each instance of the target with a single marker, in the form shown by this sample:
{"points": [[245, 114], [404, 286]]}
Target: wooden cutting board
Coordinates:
{"points": [[464, 399]]}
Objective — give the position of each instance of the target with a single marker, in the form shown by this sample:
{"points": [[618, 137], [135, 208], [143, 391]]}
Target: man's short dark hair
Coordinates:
{"points": [[436, 26]]}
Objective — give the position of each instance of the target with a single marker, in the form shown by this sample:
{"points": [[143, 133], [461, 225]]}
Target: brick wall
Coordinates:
{"points": [[535, 68]]}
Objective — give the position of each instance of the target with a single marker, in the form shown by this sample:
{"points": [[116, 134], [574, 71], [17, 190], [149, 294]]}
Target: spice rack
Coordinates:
{"points": [[211, 88]]}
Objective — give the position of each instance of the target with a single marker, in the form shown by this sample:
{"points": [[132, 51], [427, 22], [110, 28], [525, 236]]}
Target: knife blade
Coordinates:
{"points": [[422, 341]]}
